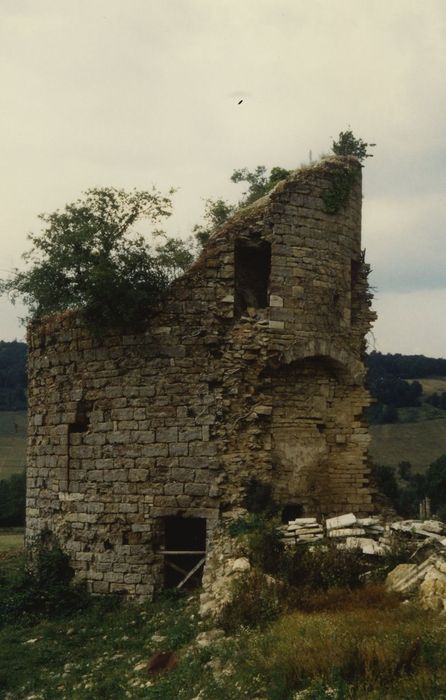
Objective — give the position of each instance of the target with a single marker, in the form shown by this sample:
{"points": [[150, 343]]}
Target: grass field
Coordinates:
{"points": [[419, 443], [357, 653], [11, 539], [12, 442], [432, 384]]}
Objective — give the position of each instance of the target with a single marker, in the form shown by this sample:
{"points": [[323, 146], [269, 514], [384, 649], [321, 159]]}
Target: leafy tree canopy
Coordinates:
{"points": [[216, 212], [259, 181], [348, 145], [436, 482], [88, 257]]}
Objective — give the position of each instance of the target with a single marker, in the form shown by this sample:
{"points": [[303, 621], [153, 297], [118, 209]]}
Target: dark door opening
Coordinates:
{"points": [[184, 551], [252, 263], [292, 511]]}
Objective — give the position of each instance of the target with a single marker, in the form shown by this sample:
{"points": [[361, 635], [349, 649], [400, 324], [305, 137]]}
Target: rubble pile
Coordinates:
{"points": [[432, 529], [425, 572], [351, 532], [372, 535], [302, 530]]}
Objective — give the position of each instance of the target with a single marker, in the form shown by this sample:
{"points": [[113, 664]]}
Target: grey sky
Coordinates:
{"points": [[139, 92]]}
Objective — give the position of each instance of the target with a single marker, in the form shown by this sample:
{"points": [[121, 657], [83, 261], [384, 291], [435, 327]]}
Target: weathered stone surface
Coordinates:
{"points": [[366, 545], [403, 579], [240, 565], [342, 521], [346, 532], [434, 526], [225, 384]]}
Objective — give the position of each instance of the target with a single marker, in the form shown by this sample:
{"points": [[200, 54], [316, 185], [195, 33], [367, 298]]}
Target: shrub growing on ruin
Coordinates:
{"points": [[88, 257], [266, 550], [324, 566], [254, 602], [348, 145]]}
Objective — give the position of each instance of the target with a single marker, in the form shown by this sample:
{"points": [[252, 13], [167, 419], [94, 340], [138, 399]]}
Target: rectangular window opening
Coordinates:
{"points": [[252, 268], [184, 552]]}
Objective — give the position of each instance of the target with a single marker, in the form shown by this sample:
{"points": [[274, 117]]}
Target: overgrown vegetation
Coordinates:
{"points": [[348, 145], [343, 178], [301, 577], [101, 651], [88, 257], [359, 653], [259, 180], [12, 500], [341, 182], [335, 642], [319, 630], [336, 638], [40, 585], [406, 492]]}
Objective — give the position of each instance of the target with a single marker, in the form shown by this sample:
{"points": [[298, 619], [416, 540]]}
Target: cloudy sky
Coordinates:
{"points": [[132, 93]]}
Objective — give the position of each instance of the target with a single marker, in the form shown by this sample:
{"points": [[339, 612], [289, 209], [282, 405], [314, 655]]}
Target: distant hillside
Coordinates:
{"points": [[408, 419], [402, 384], [419, 443], [12, 376]]}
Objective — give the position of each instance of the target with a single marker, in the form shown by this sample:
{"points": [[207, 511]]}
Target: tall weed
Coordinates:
{"points": [[365, 648]]}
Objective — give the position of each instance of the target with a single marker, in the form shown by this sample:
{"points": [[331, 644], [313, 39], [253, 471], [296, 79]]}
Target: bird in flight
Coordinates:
{"points": [[239, 102]]}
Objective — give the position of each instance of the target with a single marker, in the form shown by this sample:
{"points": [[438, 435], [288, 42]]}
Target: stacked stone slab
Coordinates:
{"points": [[226, 384], [302, 530]]}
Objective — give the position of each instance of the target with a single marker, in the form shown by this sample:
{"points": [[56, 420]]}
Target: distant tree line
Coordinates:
{"points": [[437, 400], [388, 383], [12, 375], [406, 492], [404, 366]]}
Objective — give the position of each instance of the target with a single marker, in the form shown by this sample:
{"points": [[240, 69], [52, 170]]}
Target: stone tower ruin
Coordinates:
{"points": [[250, 370]]}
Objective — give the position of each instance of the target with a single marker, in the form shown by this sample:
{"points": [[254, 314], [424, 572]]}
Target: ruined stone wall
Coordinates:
{"points": [[251, 367]]}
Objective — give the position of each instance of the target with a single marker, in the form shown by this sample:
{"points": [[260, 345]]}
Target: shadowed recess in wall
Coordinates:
{"points": [[252, 272]]}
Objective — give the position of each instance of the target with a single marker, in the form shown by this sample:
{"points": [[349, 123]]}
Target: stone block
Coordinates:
{"points": [[173, 489], [178, 449], [340, 521], [196, 489], [403, 579], [100, 587], [346, 532], [138, 474], [189, 434], [167, 434]]}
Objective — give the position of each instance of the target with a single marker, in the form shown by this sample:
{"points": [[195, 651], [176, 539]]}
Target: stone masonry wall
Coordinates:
{"points": [[235, 377]]}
